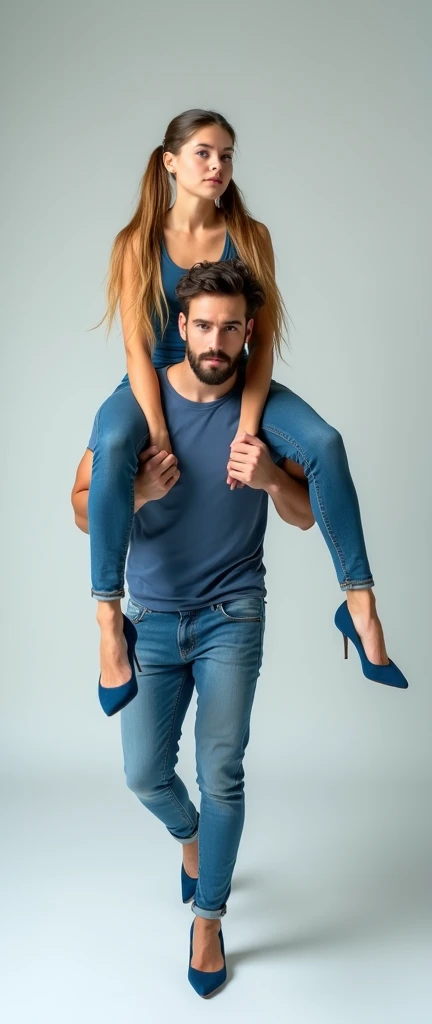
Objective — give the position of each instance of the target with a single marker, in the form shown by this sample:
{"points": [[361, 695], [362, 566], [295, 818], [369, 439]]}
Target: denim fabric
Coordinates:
{"points": [[219, 650], [293, 430]]}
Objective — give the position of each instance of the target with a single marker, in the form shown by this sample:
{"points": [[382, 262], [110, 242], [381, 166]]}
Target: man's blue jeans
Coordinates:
{"points": [[219, 650]]}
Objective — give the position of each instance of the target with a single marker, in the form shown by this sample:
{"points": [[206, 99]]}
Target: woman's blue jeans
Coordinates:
{"points": [[219, 651], [289, 425]]}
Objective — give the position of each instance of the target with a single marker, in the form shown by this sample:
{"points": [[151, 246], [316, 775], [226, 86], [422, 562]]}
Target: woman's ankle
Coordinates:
{"points": [[109, 613], [361, 600]]}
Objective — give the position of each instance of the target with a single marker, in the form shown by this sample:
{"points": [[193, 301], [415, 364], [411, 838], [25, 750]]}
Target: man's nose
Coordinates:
{"points": [[217, 341]]}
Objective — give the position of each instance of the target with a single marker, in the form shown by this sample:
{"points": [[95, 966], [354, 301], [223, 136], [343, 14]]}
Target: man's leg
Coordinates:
{"points": [[226, 666], [151, 724]]}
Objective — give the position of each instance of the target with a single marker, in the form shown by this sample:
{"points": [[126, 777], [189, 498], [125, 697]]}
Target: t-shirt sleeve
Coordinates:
{"points": [[93, 436]]}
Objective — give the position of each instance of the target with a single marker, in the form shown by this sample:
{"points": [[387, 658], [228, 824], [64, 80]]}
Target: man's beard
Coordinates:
{"points": [[213, 374]]}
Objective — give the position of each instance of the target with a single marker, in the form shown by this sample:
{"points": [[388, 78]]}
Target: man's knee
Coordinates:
{"points": [[221, 780]]}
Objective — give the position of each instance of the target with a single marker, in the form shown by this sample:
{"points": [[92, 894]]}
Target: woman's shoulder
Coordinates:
{"points": [[263, 230]]}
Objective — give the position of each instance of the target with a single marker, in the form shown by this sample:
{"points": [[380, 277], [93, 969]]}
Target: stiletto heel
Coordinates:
{"points": [[137, 662], [389, 674], [206, 982], [114, 698]]}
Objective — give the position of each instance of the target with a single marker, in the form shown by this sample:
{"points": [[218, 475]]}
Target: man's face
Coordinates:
{"points": [[215, 332]]}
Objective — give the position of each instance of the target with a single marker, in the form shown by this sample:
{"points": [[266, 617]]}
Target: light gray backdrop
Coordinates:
{"points": [[330, 914]]}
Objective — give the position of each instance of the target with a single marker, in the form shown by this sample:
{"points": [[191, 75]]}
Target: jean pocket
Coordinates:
{"points": [[135, 612], [243, 609]]}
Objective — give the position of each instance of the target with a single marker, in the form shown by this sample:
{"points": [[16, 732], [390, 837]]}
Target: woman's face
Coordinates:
{"points": [[203, 167]]}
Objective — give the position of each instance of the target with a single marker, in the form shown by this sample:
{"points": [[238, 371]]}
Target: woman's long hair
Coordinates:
{"points": [[144, 234]]}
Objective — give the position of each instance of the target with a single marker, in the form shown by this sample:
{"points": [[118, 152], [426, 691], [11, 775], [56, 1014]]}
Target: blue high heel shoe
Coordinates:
{"points": [[114, 698], [389, 674], [206, 982]]}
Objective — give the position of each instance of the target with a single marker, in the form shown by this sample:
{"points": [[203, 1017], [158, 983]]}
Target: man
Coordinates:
{"points": [[196, 581]]}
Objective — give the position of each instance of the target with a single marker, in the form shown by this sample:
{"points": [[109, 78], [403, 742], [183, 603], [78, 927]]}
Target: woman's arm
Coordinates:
{"points": [[142, 374], [251, 464], [260, 363]]}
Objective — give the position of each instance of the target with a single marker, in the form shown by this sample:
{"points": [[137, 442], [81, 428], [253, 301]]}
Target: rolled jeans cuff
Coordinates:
{"points": [[357, 584], [189, 839], [210, 915], [101, 595]]}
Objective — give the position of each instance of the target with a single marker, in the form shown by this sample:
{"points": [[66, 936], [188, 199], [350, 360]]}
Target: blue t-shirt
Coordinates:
{"points": [[202, 543]]}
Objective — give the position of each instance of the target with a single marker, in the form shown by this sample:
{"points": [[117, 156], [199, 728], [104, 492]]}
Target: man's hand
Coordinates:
{"points": [[251, 464], [156, 475]]}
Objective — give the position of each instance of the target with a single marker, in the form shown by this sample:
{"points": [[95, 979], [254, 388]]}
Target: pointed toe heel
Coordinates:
{"points": [[389, 675], [114, 698], [206, 983]]}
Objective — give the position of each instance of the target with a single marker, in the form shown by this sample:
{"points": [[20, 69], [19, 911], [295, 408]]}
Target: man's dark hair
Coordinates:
{"points": [[228, 277]]}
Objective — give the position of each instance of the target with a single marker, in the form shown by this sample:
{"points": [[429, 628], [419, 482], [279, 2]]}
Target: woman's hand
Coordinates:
{"points": [[230, 480], [159, 439]]}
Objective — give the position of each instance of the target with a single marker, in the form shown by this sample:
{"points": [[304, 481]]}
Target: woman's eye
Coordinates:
{"points": [[202, 152], [228, 157]]}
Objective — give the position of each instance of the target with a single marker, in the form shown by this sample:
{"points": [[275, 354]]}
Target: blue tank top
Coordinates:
{"points": [[171, 348], [201, 543]]}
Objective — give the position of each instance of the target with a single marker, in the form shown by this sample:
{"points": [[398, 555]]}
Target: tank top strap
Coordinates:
{"points": [[230, 251]]}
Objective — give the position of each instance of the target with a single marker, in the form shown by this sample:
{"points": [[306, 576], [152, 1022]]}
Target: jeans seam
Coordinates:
{"points": [[124, 552], [257, 673], [285, 437], [172, 795]]}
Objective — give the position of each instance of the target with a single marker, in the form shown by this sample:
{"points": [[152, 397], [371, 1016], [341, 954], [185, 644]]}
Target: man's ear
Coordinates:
{"points": [[182, 325], [249, 330]]}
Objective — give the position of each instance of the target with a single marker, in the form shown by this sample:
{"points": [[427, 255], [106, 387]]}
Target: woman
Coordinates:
{"points": [[209, 221]]}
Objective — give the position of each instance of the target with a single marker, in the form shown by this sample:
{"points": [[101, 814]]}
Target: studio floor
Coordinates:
{"points": [[329, 922]]}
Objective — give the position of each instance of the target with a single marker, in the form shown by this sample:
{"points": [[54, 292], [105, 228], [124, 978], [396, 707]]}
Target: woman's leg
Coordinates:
{"points": [[120, 432], [228, 641], [151, 724], [295, 431]]}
